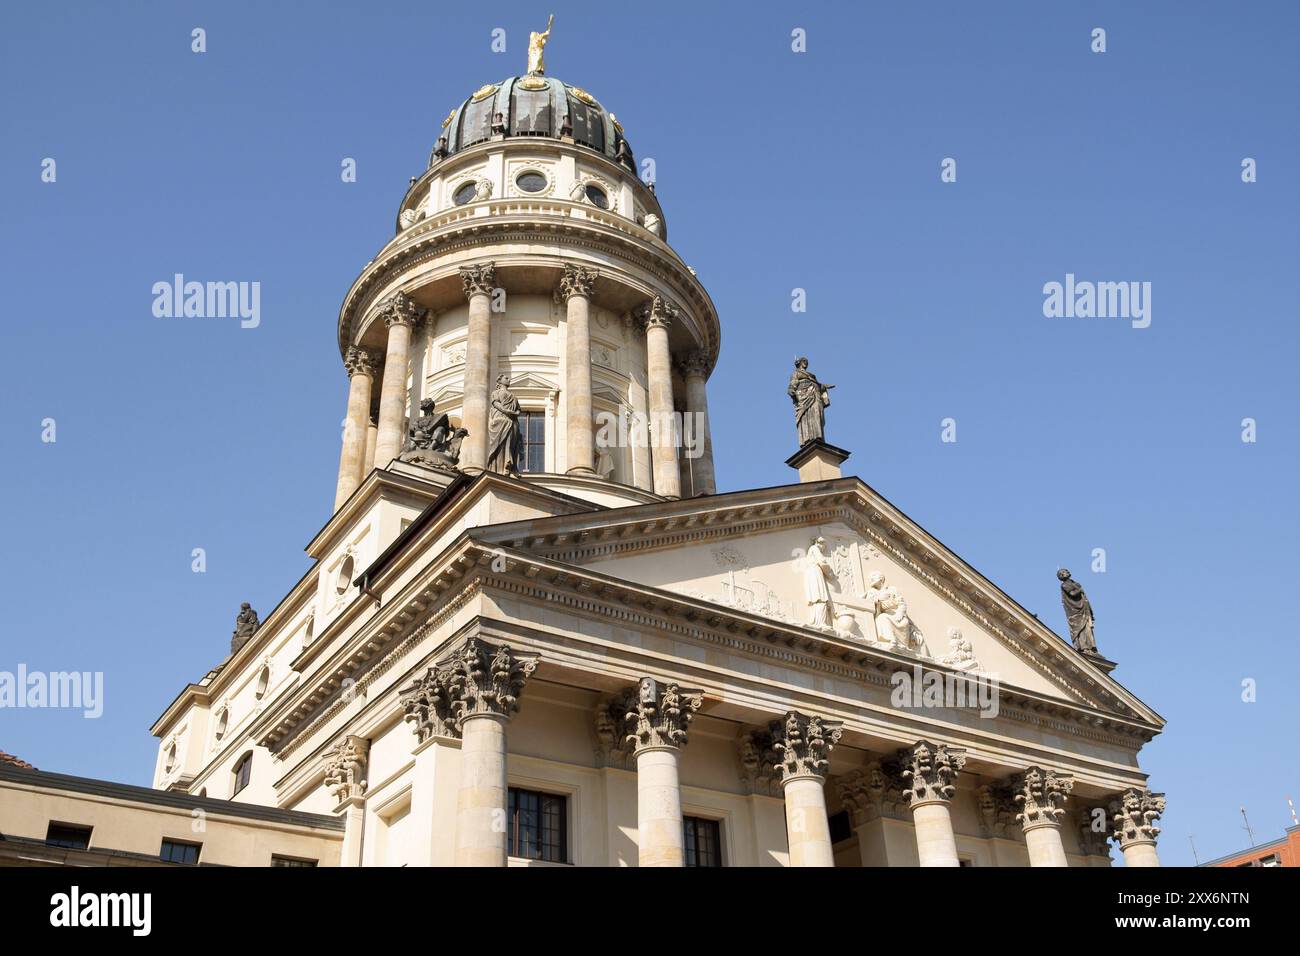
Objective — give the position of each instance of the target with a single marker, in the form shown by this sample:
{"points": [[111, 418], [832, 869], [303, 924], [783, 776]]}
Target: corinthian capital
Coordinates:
{"points": [[360, 361], [479, 280], [695, 362], [803, 744], [345, 768], [658, 714], [658, 313], [428, 707], [400, 309], [930, 770], [487, 680], [1040, 795], [577, 281], [1133, 816]]}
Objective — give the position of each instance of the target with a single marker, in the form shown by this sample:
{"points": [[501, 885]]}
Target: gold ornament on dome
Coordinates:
{"points": [[617, 125], [532, 83], [583, 95], [483, 92], [536, 46], [447, 121]]}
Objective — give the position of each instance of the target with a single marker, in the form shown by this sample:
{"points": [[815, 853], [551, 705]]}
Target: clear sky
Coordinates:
{"points": [[777, 170]]}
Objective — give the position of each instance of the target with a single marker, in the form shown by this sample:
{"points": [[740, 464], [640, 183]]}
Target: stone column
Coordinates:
{"points": [[575, 288], [400, 314], [372, 440], [802, 747], [1133, 816], [360, 364], [479, 282], [929, 770], [346, 764], [1040, 794], [658, 315], [699, 445], [657, 716], [471, 695]]}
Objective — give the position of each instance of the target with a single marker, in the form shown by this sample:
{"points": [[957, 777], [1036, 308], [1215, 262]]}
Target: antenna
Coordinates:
{"points": [[1247, 828], [1192, 840]]}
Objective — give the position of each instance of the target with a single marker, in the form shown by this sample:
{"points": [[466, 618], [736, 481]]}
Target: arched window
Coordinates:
{"points": [[243, 773]]}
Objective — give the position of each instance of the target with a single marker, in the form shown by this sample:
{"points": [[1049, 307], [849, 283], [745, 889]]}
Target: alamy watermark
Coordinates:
{"points": [[921, 689], [209, 300], [1102, 300], [57, 690]]}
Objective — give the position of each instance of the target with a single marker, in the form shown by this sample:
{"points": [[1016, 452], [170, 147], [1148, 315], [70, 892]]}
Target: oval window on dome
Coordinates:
{"points": [[465, 193], [343, 579], [596, 196], [531, 181], [223, 722]]}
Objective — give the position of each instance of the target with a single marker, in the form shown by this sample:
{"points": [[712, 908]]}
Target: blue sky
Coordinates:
{"points": [[777, 170]]}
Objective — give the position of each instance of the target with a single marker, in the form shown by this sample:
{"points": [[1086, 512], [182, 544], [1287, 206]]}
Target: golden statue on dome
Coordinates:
{"points": [[537, 44]]}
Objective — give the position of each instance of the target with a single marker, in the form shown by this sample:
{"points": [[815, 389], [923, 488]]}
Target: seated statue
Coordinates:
{"points": [[961, 654], [893, 626], [432, 440], [246, 625]]}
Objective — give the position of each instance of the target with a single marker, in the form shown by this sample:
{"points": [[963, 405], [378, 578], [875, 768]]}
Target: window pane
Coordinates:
{"points": [[67, 835], [702, 841], [538, 825]]}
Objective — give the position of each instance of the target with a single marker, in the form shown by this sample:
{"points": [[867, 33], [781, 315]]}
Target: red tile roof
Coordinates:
{"points": [[10, 760]]}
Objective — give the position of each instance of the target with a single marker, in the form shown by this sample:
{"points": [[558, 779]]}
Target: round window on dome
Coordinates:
{"points": [[465, 193], [531, 181], [596, 196]]}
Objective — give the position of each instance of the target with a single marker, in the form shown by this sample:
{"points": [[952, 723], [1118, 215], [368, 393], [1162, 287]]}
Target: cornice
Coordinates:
{"points": [[515, 220]]}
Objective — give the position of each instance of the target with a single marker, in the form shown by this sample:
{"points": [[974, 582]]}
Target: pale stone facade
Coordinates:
{"points": [[608, 635]]}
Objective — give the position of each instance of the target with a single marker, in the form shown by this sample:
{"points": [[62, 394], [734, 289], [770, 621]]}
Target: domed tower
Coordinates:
{"points": [[530, 256]]}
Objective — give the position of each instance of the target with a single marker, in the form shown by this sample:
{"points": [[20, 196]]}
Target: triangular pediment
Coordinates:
{"points": [[756, 553]]}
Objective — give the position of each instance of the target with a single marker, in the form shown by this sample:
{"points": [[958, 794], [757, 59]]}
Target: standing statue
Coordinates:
{"points": [[816, 577], [536, 44], [811, 399], [1078, 613], [503, 429], [246, 625]]}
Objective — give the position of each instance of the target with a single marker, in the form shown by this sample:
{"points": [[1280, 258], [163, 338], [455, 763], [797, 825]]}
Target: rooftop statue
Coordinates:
{"points": [[246, 625], [503, 429], [432, 440], [1078, 613], [811, 399], [536, 44]]}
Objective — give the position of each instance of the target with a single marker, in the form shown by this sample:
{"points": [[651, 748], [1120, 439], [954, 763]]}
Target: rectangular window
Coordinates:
{"points": [[290, 861], [538, 826], [532, 439], [175, 851], [841, 826], [703, 841], [69, 835]]}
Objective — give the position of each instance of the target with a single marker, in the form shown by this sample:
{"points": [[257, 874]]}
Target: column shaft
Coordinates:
{"points": [[935, 843], [807, 827], [354, 825], [372, 440], [662, 421], [392, 394], [701, 453], [478, 353], [352, 456], [1141, 853], [579, 443], [481, 801], [658, 808], [1043, 841]]}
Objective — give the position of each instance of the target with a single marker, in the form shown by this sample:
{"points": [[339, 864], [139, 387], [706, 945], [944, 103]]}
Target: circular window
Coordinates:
{"points": [[344, 577], [171, 759], [596, 196], [222, 722], [465, 193], [531, 182], [263, 681]]}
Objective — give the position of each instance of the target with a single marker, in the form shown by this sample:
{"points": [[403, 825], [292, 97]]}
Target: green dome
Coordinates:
{"points": [[533, 105]]}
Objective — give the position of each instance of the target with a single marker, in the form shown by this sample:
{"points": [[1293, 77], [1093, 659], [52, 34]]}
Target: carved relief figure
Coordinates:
{"points": [[893, 626], [961, 655], [503, 429], [816, 576], [1078, 613], [811, 398]]}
